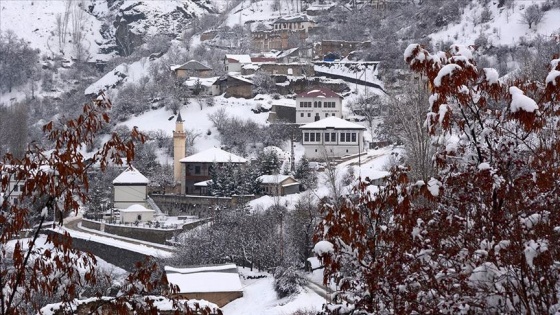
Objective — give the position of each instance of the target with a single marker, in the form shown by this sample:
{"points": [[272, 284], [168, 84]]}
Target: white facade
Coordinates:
{"points": [[317, 104], [332, 137], [233, 63], [130, 187]]}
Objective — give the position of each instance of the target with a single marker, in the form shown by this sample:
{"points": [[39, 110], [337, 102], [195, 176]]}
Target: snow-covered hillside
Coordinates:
{"points": [[504, 27]]}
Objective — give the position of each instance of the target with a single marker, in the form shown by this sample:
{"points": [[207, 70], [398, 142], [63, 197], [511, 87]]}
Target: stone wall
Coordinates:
{"points": [[115, 255], [159, 236]]}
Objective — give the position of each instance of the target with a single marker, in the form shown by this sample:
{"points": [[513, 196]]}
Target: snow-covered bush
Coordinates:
{"points": [[481, 235], [288, 281]]}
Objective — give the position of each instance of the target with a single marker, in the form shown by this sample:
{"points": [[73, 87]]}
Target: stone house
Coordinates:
{"points": [[197, 168], [219, 284], [285, 113], [192, 68], [278, 185], [130, 187], [333, 137], [238, 86], [317, 104]]}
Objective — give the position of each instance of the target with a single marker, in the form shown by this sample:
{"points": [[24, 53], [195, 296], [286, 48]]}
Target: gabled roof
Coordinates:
{"points": [[191, 65], [239, 78], [320, 92], [333, 122], [131, 176], [274, 179], [213, 155], [239, 58]]}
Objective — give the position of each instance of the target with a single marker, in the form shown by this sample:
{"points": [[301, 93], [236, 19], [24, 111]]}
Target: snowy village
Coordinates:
{"points": [[282, 157]]}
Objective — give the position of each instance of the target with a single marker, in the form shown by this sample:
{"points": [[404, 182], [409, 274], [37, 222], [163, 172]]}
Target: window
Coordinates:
{"points": [[319, 104], [318, 136], [333, 114], [197, 169], [301, 115], [333, 136], [139, 218], [301, 104], [306, 137], [315, 104], [312, 137], [326, 114], [342, 137], [308, 114], [327, 138], [353, 137], [347, 137], [317, 117], [15, 187]]}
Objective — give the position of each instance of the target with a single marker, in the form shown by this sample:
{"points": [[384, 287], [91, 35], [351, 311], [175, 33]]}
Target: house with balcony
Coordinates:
{"points": [[197, 169], [317, 104], [332, 137]]}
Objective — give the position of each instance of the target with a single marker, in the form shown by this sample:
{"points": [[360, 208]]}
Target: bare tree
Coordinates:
{"points": [[369, 108], [405, 123], [533, 15]]}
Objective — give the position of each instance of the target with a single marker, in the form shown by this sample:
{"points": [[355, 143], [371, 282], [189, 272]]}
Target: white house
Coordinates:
{"points": [[135, 213], [317, 104], [130, 187], [332, 137], [233, 63]]}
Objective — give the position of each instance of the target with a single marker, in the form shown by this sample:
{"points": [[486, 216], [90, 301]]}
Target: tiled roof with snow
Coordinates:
{"points": [[321, 92], [239, 58], [213, 155], [240, 78], [131, 176], [273, 179], [334, 123]]}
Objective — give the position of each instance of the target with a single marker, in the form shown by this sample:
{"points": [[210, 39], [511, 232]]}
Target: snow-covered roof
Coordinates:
{"points": [[238, 58], [131, 176], [191, 65], [213, 155], [204, 183], [292, 19], [273, 179], [204, 279], [240, 78], [321, 92], [332, 122], [287, 52], [136, 208]]}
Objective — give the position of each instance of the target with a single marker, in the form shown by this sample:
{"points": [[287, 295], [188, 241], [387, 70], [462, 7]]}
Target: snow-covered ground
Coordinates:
{"points": [[259, 297], [504, 28]]}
